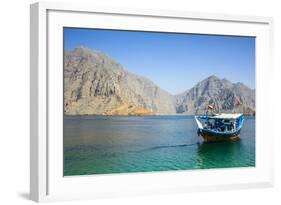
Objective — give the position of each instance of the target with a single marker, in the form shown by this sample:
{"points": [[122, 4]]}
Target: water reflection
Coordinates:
{"points": [[227, 153]]}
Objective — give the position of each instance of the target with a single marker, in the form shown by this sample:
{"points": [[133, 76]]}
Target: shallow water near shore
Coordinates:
{"points": [[111, 144]]}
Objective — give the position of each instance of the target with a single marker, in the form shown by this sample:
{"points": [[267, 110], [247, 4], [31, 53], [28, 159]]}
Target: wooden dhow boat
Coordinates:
{"points": [[219, 127]]}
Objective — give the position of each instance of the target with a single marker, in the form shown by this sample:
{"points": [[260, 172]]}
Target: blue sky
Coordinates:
{"points": [[175, 62]]}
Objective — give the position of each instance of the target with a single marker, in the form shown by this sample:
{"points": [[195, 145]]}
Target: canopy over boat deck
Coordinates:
{"points": [[226, 116]]}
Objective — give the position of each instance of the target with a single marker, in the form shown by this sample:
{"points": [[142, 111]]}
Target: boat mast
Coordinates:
{"points": [[236, 103]]}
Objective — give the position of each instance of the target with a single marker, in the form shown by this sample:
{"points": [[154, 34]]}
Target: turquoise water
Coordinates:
{"points": [[101, 144]]}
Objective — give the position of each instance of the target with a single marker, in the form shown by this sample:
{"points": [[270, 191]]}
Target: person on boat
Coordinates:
{"points": [[205, 124], [209, 125], [231, 126], [219, 125]]}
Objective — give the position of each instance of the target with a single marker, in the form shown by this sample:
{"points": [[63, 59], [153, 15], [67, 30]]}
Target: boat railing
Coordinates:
{"points": [[220, 125]]}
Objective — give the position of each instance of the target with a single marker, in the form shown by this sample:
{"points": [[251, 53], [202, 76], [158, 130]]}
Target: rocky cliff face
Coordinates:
{"points": [[94, 84], [219, 92]]}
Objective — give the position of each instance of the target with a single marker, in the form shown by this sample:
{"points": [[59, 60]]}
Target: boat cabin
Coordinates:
{"points": [[221, 122]]}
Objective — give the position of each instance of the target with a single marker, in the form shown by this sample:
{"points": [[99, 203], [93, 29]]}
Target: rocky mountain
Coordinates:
{"points": [[218, 92], [95, 84]]}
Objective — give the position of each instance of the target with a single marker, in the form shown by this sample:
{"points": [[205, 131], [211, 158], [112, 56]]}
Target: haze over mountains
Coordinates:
{"points": [[95, 84]]}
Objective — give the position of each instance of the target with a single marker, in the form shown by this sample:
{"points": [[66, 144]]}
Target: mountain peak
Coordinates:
{"points": [[220, 92], [213, 77], [95, 84], [85, 50], [240, 84]]}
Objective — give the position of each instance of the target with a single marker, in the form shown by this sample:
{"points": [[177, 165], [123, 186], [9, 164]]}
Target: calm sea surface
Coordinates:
{"points": [[101, 144]]}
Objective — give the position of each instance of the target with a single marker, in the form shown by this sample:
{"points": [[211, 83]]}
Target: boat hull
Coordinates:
{"points": [[209, 136]]}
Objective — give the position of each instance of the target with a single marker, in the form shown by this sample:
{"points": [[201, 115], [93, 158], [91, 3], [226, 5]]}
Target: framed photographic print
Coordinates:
{"points": [[128, 101]]}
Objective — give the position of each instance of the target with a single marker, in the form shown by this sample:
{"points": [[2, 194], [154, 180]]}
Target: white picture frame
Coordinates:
{"points": [[46, 179]]}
